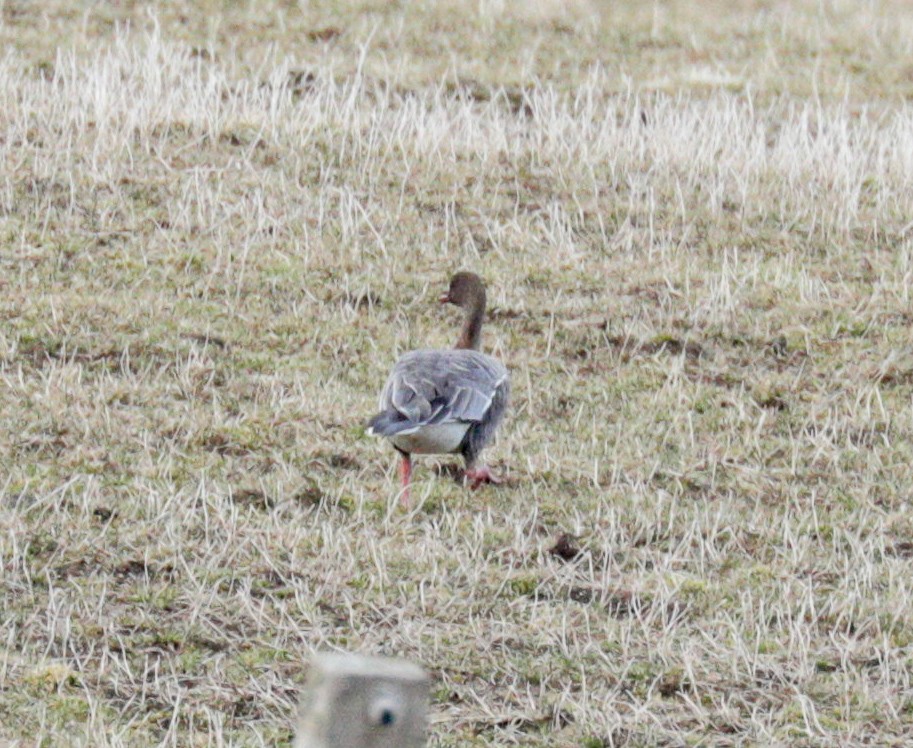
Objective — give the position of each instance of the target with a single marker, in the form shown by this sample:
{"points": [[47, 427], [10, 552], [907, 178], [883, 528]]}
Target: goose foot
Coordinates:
{"points": [[477, 476]]}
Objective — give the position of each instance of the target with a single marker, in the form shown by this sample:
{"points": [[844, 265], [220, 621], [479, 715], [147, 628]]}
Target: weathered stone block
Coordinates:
{"points": [[352, 701]]}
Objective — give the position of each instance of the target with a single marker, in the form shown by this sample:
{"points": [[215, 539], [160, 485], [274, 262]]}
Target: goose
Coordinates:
{"points": [[446, 401]]}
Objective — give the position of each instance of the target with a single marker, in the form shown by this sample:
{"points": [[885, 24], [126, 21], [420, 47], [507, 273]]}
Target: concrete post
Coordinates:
{"points": [[351, 701]]}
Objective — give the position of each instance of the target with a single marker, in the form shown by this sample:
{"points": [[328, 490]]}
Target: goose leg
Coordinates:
{"points": [[405, 473], [478, 476]]}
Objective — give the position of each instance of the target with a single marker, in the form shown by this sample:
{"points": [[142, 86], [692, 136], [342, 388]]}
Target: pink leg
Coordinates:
{"points": [[405, 472], [478, 476]]}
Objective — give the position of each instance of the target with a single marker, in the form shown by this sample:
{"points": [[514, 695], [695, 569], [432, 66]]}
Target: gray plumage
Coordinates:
{"points": [[431, 388]]}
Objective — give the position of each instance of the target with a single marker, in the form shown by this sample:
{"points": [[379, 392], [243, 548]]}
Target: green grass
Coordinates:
{"points": [[221, 226]]}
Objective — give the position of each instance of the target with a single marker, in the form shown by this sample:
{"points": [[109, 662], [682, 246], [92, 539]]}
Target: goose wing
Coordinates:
{"points": [[431, 387]]}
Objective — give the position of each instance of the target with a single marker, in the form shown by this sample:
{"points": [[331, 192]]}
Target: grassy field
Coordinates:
{"points": [[222, 222]]}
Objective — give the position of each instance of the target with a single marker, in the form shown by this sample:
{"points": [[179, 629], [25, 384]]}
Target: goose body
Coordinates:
{"points": [[442, 401], [446, 401]]}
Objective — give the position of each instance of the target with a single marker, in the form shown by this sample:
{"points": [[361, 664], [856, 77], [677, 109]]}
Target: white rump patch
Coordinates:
{"points": [[439, 438]]}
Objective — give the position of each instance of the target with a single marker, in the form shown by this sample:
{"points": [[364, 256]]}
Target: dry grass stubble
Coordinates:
{"points": [[705, 306]]}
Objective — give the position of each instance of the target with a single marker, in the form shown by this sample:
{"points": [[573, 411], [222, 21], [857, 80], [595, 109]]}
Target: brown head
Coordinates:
{"points": [[467, 291]]}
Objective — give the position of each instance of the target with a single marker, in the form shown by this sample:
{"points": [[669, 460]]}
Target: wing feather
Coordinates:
{"points": [[442, 387]]}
